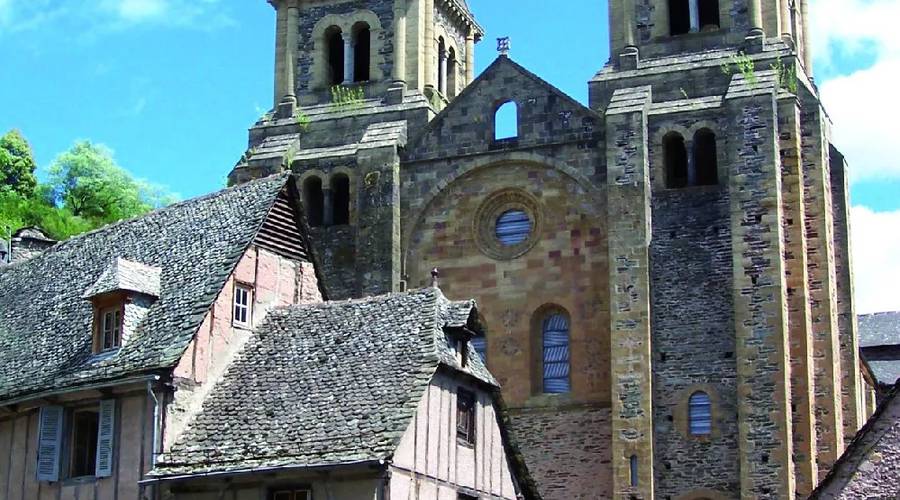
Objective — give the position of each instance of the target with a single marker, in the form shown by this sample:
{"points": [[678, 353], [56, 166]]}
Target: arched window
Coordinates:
{"points": [[680, 16], [362, 48], [506, 121], [555, 359], [706, 165], [340, 199], [700, 414], [708, 14], [451, 73], [313, 200], [675, 160], [334, 55]]}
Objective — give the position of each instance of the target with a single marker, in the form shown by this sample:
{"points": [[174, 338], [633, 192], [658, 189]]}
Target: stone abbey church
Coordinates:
{"points": [[664, 274]]}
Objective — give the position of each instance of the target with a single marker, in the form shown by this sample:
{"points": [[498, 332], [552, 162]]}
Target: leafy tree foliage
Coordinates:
{"points": [[86, 189], [16, 164]]}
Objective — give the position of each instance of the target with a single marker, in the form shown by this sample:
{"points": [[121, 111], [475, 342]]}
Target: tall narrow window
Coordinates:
{"points": [[313, 200], [705, 158], [334, 55], [555, 335], [479, 343], [679, 16], [362, 52], [83, 446], [700, 414], [340, 199], [243, 296], [709, 14], [110, 328], [442, 66], [506, 121], [633, 466], [675, 160], [452, 69], [465, 416]]}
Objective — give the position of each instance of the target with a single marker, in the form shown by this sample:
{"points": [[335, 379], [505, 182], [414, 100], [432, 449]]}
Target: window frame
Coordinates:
{"points": [[544, 328], [707, 416], [466, 405], [118, 316], [291, 489], [69, 445], [248, 321]]}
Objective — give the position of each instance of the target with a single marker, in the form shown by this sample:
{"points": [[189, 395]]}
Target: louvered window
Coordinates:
{"points": [[49, 443], [465, 416], [700, 414], [513, 227], [242, 305], [556, 364], [88, 441]]}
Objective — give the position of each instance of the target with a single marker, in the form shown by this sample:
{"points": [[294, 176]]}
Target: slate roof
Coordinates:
{"points": [[45, 323], [879, 329], [127, 276], [326, 384]]}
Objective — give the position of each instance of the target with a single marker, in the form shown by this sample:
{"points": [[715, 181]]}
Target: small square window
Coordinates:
{"points": [[465, 417], [83, 443], [289, 493], [110, 329], [243, 296]]}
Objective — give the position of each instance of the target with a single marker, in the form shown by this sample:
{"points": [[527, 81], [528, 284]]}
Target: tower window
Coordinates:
{"points": [[506, 121], [700, 414], [680, 16], [633, 468], [362, 47], [334, 55], [705, 159], [555, 339], [442, 66], [313, 200], [675, 160], [340, 192], [513, 227], [451, 73], [708, 14]]}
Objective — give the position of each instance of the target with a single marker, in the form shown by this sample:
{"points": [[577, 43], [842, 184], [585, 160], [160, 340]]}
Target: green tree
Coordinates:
{"points": [[17, 164], [87, 181]]}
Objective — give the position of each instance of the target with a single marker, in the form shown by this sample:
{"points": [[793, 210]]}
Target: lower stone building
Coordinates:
{"points": [[879, 341]]}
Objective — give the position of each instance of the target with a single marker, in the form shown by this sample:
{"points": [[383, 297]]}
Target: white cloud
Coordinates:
{"points": [[139, 10], [876, 259], [860, 101]]}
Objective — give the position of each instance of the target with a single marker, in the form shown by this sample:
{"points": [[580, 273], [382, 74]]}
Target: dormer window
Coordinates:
{"points": [[110, 326], [243, 296]]}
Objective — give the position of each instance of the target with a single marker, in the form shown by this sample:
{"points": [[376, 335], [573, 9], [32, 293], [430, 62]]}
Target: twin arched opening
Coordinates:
{"points": [[448, 68], [327, 206], [348, 56], [700, 168], [693, 16]]}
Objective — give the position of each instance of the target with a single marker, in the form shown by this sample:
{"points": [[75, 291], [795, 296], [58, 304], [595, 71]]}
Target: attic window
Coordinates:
{"points": [[465, 417], [109, 328], [243, 296], [291, 493]]}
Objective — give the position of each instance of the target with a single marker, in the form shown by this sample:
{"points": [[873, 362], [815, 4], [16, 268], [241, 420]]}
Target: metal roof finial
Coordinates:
{"points": [[503, 46]]}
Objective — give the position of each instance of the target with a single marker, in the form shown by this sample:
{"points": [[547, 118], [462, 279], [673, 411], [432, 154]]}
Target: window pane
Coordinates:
{"points": [[556, 354], [480, 345], [513, 227], [700, 414]]}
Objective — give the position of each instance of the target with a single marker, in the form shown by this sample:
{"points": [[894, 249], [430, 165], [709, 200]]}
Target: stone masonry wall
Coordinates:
{"points": [[693, 339], [579, 440]]}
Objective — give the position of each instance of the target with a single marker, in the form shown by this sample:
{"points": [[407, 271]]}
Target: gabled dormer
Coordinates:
{"points": [[121, 297]]}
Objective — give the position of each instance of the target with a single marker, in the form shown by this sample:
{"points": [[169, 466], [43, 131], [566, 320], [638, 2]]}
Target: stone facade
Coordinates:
{"points": [[732, 283]]}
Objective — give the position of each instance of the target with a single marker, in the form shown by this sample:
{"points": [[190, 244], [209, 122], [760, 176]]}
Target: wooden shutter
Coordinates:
{"points": [[105, 438], [49, 443]]}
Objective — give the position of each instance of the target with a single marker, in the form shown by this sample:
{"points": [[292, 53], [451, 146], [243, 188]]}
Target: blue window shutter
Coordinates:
{"points": [[700, 414], [105, 438], [556, 354], [49, 443]]}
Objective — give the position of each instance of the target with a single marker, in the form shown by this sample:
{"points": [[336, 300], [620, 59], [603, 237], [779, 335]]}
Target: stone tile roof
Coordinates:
{"points": [[326, 384], [45, 323], [879, 329], [126, 275]]}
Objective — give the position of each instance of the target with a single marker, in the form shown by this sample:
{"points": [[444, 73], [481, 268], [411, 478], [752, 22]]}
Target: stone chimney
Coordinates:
{"points": [[28, 242]]}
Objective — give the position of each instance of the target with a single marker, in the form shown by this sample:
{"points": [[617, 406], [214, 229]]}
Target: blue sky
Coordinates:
{"points": [[172, 85]]}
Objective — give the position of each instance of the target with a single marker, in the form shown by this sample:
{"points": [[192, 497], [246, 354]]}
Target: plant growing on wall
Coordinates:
{"points": [[743, 64], [302, 120], [347, 97], [786, 76]]}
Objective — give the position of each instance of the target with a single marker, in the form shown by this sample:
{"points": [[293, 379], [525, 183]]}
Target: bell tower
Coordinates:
{"points": [[375, 45]]}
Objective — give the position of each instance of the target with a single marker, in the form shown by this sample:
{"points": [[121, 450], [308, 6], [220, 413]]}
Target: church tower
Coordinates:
{"points": [[735, 366]]}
